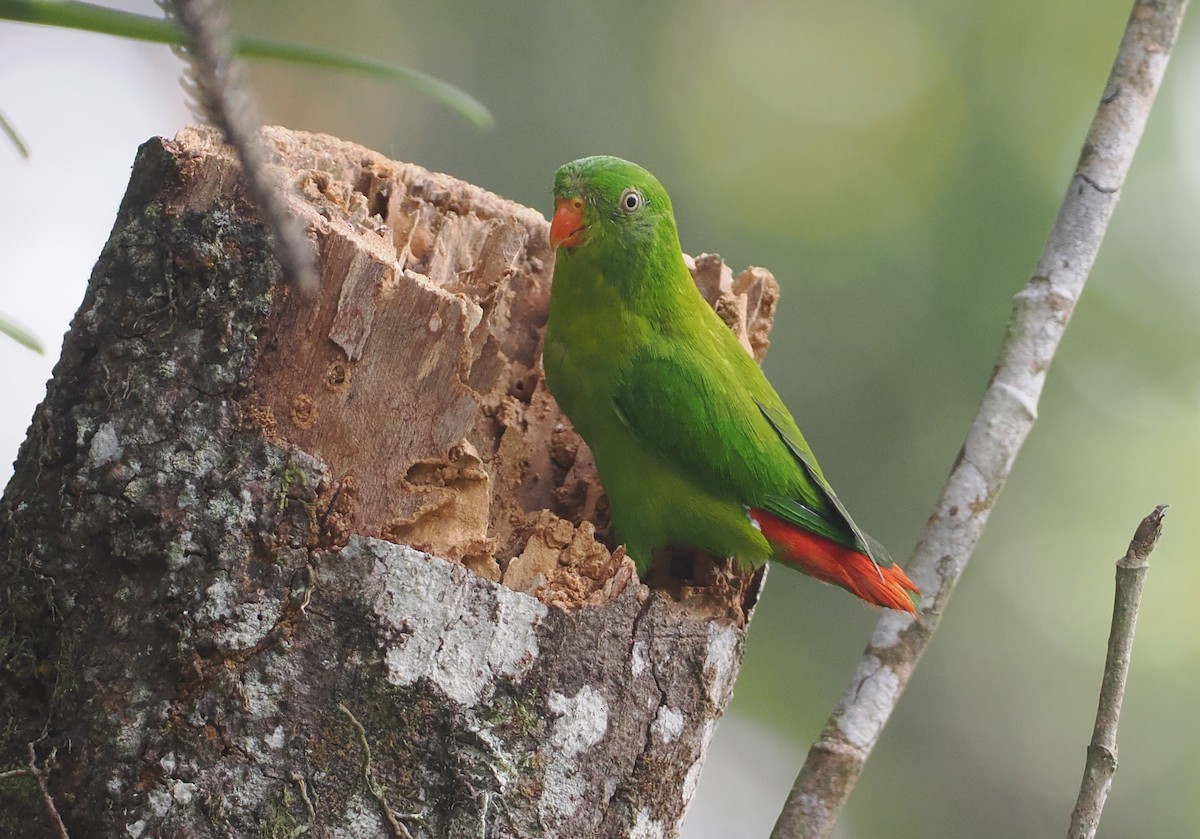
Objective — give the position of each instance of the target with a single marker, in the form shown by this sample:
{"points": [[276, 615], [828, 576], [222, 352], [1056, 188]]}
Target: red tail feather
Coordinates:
{"points": [[833, 563]]}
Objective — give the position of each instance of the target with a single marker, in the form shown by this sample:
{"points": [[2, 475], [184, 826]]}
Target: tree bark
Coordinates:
{"points": [[335, 565]]}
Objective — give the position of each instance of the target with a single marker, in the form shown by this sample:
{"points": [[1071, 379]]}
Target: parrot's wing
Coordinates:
{"points": [[705, 421], [780, 421]]}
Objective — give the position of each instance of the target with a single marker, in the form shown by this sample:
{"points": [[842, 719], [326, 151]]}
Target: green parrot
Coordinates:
{"points": [[692, 443]]}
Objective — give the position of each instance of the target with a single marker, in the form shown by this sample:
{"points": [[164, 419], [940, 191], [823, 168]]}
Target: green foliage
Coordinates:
{"points": [[280, 822], [92, 18], [11, 133], [293, 476], [20, 334]]}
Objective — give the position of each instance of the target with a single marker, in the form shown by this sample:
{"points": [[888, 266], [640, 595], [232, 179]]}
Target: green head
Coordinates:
{"points": [[613, 213]]}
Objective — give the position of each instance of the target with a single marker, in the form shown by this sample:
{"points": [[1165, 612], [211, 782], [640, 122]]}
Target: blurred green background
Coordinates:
{"points": [[898, 166]]}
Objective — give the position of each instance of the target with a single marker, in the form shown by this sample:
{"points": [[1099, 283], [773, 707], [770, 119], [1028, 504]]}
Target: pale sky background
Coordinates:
{"points": [[83, 104]]}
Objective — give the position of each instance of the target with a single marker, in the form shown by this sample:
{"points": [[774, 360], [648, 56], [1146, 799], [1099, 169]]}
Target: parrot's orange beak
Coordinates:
{"points": [[567, 227]]}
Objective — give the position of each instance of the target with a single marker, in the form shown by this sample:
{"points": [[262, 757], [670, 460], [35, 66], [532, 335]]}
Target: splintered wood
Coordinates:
{"points": [[415, 376]]}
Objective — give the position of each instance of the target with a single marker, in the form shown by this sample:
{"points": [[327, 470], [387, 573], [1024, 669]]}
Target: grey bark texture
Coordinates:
{"points": [[279, 565], [1101, 763]]}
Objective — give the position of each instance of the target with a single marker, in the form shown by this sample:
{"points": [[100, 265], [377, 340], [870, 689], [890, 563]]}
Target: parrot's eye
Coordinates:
{"points": [[631, 200]]}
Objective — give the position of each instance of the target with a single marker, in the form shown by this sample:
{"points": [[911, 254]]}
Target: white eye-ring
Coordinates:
{"points": [[631, 200]]}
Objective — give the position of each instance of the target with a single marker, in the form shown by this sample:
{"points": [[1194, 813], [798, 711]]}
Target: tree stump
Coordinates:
{"points": [[278, 565]]}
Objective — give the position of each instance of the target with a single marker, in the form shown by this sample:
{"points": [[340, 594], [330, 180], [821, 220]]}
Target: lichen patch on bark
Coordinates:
{"points": [[862, 722], [455, 629]]}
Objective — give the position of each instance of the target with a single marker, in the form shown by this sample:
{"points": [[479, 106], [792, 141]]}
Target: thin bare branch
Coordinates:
{"points": [[228, 108], [1006, 415], [1101, 762], [398, 830], [39, 774]]}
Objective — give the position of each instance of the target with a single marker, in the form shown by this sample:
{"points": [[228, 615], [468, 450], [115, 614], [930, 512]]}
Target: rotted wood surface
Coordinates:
{"points": [[279, 565]]}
